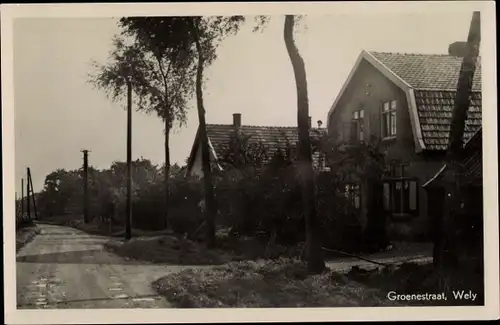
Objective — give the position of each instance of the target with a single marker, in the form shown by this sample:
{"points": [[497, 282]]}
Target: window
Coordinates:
{"points": [[389, 119], [353, 194], [322, 163], [358, 125], [400, 194]]}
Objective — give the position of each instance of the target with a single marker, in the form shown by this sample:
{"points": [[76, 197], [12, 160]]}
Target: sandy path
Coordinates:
{"points": [[67, 268]]}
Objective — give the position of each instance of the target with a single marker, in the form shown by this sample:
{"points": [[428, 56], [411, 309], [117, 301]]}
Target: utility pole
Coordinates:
{"points": [[85, 186], [128, 215], [28, 207], [30, 188], [22, 197]]}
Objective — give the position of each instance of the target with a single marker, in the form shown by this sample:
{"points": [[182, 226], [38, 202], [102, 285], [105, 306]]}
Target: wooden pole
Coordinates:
{"points": [[28, 207], [30, 185], [17, 207], [85, 187], [22, 197], [128, 219]]}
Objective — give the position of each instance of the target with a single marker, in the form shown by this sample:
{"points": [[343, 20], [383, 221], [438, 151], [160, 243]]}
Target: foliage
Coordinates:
{"points": [[174, 37], [161, 84], [61, 188]]}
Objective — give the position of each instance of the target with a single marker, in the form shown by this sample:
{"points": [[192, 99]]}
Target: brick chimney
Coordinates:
{"points": [[237, 120], [457, 49]]}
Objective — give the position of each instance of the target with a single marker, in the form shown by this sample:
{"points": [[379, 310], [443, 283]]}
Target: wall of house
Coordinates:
{"points": [[196, 168], [369, 89]]}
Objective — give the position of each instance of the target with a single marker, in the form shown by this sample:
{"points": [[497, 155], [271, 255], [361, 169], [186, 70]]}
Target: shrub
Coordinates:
{"points": [[184, 213]]}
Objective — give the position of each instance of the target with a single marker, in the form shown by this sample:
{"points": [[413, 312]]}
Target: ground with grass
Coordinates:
{"points": [[179, 250], [26, 234], [167, 249], [280, 283]]}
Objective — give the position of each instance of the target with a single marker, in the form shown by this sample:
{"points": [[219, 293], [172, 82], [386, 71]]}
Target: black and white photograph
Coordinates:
{"points": [[249, 162]]}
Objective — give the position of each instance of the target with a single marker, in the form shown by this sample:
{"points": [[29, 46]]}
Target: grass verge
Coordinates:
{"points": [[167, 249], [178, 250], [281, 283], [26, 234]]}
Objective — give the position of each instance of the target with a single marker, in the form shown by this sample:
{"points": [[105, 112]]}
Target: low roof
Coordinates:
{"points": [[471, 161], [274, 138], [429, 82]]}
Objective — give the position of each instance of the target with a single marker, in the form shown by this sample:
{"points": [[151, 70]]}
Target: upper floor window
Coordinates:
{"points": [[358, 125], [389, 119]]}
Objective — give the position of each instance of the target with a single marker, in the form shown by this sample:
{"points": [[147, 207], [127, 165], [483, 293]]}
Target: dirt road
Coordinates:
{"points": [[67, 268]]}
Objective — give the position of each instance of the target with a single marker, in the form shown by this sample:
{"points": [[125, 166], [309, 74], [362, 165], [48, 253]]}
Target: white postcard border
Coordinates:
{"points": [[490, 163]]}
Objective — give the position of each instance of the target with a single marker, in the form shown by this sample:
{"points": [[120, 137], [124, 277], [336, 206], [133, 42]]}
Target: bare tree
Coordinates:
{"points": [[315, 262]]}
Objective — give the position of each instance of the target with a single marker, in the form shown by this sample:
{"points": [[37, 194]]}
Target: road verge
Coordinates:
{"points": [[280, 283], [25, 235]]}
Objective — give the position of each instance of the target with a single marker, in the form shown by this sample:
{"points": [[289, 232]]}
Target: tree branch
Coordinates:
{"points": [[166, 113]]}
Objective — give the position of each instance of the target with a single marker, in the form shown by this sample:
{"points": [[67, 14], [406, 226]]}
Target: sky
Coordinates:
{"points": [[57, 113]]}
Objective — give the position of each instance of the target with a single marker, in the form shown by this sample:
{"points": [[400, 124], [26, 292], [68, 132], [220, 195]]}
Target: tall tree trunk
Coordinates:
{"points": [[210, 210], [315, 262], [166, 172], [448, 251]]}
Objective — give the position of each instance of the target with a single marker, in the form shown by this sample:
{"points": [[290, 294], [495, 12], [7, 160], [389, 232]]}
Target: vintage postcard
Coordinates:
{"points": [[248, 162]]}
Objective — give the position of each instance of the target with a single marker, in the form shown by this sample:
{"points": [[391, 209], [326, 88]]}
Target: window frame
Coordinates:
{"points": [[358, 124], [401, 210], [353, 190], [391, 115]]}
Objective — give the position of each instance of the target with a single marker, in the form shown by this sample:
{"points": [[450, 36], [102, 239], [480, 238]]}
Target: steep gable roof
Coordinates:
{"points": [[429, 82], [427, 71]]}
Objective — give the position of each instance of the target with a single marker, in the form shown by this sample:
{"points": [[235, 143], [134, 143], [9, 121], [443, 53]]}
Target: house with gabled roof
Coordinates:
{"points": [[406, 101], [272, 138]]}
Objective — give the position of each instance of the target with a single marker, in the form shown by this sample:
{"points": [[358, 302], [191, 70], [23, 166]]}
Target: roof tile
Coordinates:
{"points": [[427, 71], [435, 117], [272, 137]]}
